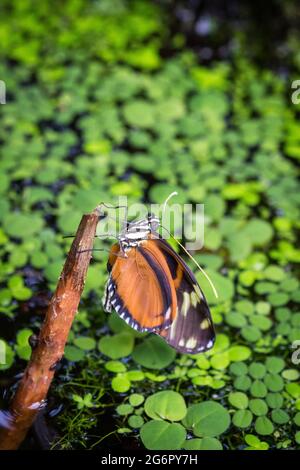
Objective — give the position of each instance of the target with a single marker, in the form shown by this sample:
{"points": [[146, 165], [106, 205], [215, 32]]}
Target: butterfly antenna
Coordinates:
{"points": [[109, 206], [175, 193], [196, 263]]}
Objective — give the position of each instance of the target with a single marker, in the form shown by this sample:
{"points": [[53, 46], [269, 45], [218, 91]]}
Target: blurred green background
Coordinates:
{"points": [[140, 99]]}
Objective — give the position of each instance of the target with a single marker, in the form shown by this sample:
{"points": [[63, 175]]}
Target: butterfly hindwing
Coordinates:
{"points": [[192, 330]]}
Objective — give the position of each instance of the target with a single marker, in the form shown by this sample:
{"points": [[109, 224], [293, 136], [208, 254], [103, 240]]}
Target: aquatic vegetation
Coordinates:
{"points": [[95, 111]]}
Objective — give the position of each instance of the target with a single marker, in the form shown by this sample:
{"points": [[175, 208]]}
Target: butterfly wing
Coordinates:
{"points": [[192, 330], [140, 287]]}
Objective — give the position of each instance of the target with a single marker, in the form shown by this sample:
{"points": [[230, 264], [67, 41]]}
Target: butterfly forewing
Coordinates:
{"points": [[140, 288]]}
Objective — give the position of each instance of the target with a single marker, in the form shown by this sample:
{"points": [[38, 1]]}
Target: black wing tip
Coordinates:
{"points": [[201, 348]]}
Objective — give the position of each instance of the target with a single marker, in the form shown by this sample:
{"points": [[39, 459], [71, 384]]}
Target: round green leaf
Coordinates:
{"points": [[120, 383], [22, 226], [167, 404], [85, 343], [161, 435], [242, 383], [207, 419], [74, 354], [245, 307], [135, 375], [23, 349], [274, 400], [257, 370], [263, 426], [238, 368], [258, 389], [220, 361], [274, 382], [6, 354], [135, 422], [139, 113], [124, 410], [274, 364], [260, 322], [238, 400], [242, 418], [115, 366], [116, 346], [258, 407], [251, 333], [239, 353], [279, 416], [136, 399], [259, 231], [223, 285], [236, 319], [278, 298], [274, 273], [290, 374], [153, 353], [262, 308], [297, 419]]}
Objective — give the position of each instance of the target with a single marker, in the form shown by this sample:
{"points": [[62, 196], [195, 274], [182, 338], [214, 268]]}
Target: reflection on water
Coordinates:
{"points": [[6, 420], [38, 405]]}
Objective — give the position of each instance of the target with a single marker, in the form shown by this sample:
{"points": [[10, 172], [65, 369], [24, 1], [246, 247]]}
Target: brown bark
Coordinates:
{"points": [[34, 385]]}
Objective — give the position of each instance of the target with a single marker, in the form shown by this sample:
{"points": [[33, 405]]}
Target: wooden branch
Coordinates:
{"points": [[34, 385]]}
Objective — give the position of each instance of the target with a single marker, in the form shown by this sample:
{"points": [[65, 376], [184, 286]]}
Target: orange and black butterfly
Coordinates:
{"points": [[153, 289]]}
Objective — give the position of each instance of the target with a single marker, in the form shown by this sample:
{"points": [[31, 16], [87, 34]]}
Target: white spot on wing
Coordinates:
{"points": [[185, 304], [191, 342], [204, 324], [198, 291], [168, 313]]}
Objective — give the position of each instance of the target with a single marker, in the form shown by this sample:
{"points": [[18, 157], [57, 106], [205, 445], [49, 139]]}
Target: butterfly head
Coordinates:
{"points": [[138, 231]]}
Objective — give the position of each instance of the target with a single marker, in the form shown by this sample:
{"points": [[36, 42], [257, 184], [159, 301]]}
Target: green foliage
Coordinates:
{"points": [[161, 435], [263, 426], [166, 405], [136, 399], [120, 383], [238, 400], [83, 402], [207, 443], [242, 418], [7, 355], [124, 410], [85, 343], [153, 353], [254, 443], [116, 346], [23, 348], [74, 354], [207, 419]]}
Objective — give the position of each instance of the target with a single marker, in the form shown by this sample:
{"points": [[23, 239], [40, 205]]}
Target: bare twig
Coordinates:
{"points": [[37, 378]]}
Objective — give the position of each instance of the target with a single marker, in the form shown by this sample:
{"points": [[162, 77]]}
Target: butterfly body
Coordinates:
{"points": [[153, 290]]}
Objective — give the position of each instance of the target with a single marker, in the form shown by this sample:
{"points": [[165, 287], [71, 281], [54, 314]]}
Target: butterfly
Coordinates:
{"points": [[153, 289]]}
